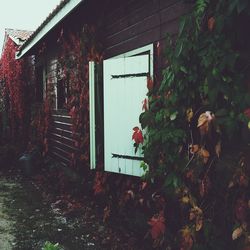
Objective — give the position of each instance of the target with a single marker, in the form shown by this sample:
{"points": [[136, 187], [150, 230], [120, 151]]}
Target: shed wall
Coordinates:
{"points": [[135, 23]]}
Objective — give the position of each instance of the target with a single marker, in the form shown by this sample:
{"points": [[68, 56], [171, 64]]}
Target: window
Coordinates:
{"points": [[56, 84]]}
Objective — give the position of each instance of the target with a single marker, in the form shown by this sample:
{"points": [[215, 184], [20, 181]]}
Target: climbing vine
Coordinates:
{"points": [[197, 115], [77, 51], [16, 77]]}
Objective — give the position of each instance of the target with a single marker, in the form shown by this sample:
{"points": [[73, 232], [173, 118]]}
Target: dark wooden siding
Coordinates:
{"points": [[61, 141], [60, 137], [135, 23]]}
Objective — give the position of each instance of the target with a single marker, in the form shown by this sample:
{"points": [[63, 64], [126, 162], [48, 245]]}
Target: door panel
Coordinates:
{"points": [[123, 97]]}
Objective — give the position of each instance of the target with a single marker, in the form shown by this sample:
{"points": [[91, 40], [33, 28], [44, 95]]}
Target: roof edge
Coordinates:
{"points": [[57, 18]]}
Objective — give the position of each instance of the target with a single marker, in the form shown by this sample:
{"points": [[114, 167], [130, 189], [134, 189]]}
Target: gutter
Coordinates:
{"points": [[57, 18]]}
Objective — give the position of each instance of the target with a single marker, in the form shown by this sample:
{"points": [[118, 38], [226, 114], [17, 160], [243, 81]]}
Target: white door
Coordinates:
{"points": [[125, 88]]}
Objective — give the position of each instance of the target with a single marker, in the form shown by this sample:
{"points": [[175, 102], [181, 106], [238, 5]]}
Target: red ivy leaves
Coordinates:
{"points": [[158, 227], [241, 210], [137, 136], [211, 23], [99, 182], [150, 83], [14, 75], [145, 104], [247, 113]]}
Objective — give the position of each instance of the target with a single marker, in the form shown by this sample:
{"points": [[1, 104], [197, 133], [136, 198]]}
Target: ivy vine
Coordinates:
{"points": [[16, 79], [195, 120]]}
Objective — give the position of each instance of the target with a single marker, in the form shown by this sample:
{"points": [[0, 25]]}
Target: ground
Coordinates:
{"points": [[28, 219]]}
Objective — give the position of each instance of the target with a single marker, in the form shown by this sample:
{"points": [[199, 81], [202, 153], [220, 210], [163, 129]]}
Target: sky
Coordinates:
{"points": [[23, 14]]}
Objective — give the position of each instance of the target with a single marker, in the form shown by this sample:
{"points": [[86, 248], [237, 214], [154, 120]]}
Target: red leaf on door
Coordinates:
{"points": [[150, 83], [145, 104], [137, 136]]}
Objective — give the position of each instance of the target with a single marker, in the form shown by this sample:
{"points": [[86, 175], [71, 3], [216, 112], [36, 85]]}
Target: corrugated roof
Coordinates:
{"points": [[21, 35], [17, 36]]}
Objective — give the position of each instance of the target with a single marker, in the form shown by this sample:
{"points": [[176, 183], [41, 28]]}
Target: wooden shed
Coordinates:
{"points": [[132, 34]]}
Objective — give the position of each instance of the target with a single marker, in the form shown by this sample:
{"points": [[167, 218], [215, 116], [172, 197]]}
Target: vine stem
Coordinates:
{"points": [[192, 143]]}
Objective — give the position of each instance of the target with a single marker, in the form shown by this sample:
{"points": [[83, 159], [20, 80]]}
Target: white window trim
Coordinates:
{"points": [[92, 114]]}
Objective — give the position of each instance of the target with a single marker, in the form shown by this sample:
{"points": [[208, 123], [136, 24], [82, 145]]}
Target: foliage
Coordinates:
{"points": [[16, 77], [50, 246], [194, 121], [77, 51]]}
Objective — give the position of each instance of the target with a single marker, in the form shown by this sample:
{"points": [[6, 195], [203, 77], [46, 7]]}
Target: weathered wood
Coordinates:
{"points": [[65, 140], [116, 24], [61, 132], [133, 30], [128, 28], [61, 141], [65, 162], [62, 118], [61, 125], [65, 147]]}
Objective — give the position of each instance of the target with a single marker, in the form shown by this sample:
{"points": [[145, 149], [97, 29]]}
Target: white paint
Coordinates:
{"points": [[123, 99], [92, 114]]}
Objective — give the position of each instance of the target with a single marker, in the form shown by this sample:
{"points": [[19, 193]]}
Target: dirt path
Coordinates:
{"points": [[7, 239], [27, 221]]}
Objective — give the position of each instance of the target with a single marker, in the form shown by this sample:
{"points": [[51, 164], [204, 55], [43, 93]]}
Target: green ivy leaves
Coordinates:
{"points": [[205, 69]]}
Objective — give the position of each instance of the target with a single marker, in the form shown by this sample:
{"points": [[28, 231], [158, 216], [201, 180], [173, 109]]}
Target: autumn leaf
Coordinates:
{"points": [[202, 120], [143, 185], [237, 233], [241, 210], [190, 175], [137, 136], [231, 184], [196, 214], [72, 111], [131, 194], [243, 180], [194, 148], [185, 199], [198, 223], [205, 186], [204, 153], [106, 213], [218, 149], [186, 239], [158, 227], [150, 83], [247, 113], [145, 104], [189, 114], [203, 124], [211, 23], [99, 181]]}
